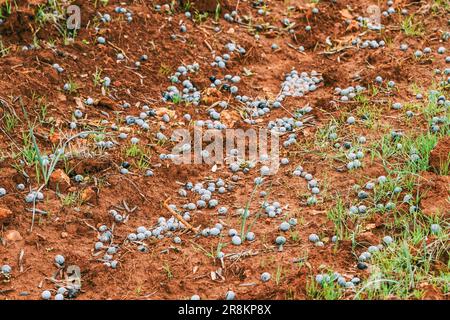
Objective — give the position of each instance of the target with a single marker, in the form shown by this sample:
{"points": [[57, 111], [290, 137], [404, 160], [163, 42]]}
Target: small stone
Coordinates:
{"points": [[13, 235], [59, 180], [5, 214], [88, 195], [439, 156]]}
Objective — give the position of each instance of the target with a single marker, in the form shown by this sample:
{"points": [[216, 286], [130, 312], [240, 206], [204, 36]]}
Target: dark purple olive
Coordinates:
{"points": [[361, 266]]}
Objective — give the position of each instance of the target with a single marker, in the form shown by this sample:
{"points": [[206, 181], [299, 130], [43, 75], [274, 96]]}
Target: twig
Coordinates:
{"points": [[208, 45], [37, 211], [21, 254], [336, 51], [90, 226], [179, 217], [6, 291]]}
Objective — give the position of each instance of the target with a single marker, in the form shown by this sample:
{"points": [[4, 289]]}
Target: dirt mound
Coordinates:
{"points": [[208, 5], [440, 155], [435, 192]]}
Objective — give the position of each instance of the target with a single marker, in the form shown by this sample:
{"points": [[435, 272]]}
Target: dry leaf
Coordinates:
{"points": [[346, 14], [210, 95], [161, 111], [79, 103], [229, 117]]}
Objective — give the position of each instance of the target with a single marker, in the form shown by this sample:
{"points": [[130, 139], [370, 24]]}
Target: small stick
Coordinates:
{"points": [[336, 50], [37, 211], [208, 45], [117, 48], [21, 254], [125, 205], [90, 226], [296, 49], [250, 284], [150, 294], [6, 291], [179, 217]]}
